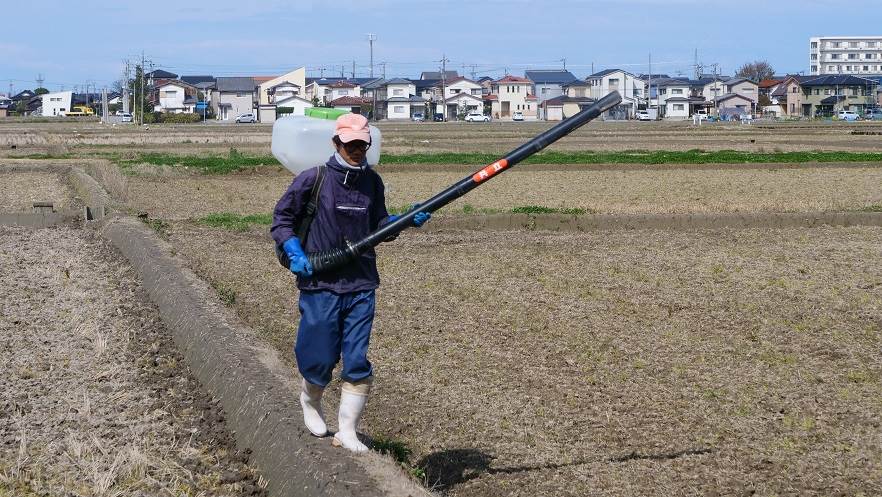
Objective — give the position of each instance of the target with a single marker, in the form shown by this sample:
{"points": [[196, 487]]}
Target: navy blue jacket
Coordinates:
{"points": [[352, 204]]}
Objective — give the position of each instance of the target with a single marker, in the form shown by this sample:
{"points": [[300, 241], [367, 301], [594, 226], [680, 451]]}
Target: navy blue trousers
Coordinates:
{"points": [[334, 325]]}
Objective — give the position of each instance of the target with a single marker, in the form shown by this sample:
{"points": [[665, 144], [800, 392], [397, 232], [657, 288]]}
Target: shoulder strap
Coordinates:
{"points": [[311, 206]]}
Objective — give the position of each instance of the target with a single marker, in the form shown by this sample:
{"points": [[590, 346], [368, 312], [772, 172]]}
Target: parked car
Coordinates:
{"points": [[474, 117], [642, 115], [874, 114], [246, 118], [517, 116], [418, 117], [124, 117], [848, 115], [438, 117]]}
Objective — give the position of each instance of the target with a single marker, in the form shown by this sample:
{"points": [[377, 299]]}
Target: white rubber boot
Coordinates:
{"points": [[352, 401], [311, 402]]}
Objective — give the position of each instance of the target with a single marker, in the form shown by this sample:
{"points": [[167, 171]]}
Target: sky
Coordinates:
{"points": [[74, 43]]}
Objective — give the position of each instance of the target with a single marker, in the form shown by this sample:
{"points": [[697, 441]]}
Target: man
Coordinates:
{"points": [[337, 307]]}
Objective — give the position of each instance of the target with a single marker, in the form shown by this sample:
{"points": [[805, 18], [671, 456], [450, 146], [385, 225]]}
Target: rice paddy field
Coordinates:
{"points": [[713, 361]]}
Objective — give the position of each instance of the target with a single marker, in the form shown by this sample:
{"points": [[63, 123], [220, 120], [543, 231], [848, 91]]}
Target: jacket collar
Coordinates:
{"points": [[350, 174]]}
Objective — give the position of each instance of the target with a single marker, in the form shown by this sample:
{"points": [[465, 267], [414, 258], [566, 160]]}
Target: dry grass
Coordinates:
{"points": [[20, 190], [496, 137], [608, 191], [641, 363]]}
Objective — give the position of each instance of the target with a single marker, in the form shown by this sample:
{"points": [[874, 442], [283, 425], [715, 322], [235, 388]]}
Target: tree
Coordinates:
{"points": [[757, 70], [41, 91]]}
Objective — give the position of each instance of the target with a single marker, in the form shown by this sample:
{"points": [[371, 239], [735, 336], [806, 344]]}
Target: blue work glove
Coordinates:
{"points": [[299, 263], [421, 217]]}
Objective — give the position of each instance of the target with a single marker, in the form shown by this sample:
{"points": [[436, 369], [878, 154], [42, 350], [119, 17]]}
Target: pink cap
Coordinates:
{"points": [[352, 127]]}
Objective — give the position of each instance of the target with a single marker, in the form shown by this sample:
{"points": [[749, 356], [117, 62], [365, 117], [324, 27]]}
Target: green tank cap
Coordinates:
{"points": [[325, 113]]}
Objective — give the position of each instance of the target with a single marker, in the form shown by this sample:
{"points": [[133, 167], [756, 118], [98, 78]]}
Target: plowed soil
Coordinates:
{"points": [[611, 363]]}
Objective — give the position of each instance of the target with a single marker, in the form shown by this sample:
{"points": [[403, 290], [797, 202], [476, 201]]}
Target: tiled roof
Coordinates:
{"points": [[839, 79], [512, 79], [342, 84], [550, 76], [237, 83], [347, 100], [193, 80], [437, 75]]}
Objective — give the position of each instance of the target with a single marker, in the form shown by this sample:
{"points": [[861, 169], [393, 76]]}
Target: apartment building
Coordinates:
{"points": [[859, 55]]}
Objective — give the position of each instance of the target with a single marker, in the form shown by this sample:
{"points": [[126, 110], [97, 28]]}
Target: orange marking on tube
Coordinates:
{"points": [[490, 170]]}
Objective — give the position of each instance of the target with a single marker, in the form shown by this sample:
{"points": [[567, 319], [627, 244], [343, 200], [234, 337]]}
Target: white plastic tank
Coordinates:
{"points": [[301, 142]]}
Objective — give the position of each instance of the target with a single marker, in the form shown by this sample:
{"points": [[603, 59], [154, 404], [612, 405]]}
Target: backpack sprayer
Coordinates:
{"points": [[333, 258]]}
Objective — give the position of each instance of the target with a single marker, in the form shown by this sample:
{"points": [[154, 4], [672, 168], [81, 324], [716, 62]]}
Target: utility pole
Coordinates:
{"points": [[10, 89], [383, 65], [649, 92], [444, 62], [474, 73], [353, 69], [39, 81], [371, 38], [125, 89], [564, 60]]}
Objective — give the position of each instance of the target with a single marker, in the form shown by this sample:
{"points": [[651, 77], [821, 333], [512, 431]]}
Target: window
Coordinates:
{"points": [[814, 44], [826, 91], [814, 68], [818, 91], [869, 56], [855, 92], [871, 44], [848, 68], [528, 106], [792, 108], [663, 91], [676, 91], [852, 56], [866, 68], [831, 68], [344, 92], [455, 91], [814, 56], [852, 44], [834, 56], [795, 89], [678, 106], [397, 92], [544, 90], [613, 82], [835, 44], [398, 109]]}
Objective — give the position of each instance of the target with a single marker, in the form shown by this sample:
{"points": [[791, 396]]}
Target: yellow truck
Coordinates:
{"points": [[80, 111]]}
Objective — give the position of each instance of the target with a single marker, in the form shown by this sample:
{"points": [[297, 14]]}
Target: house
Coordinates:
{"points": [[733, 105], [562, 107], [56, 104], [344, 88], [235, 96], [486, 83], [630, 87], [549, 83], [712, 87], [171, 96], [676, 88], [397, 99], [744, 87], [826, 95], [461, 96], [513, 94], [272, 90]]}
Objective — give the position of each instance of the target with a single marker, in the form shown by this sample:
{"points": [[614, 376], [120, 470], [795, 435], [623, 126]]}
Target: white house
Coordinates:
{"points": [[343, 89], [549, 83], [461, 94], [293, 105], [56, 104], [401, 99], [172, 97], [513, 94], [630, 87], [668, 88]]}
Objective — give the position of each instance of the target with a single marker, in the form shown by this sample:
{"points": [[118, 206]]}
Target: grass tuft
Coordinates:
{"points": [[235, 222]]}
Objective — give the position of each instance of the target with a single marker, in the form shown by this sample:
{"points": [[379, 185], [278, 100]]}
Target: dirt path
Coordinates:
{"points": [[95, 399]]}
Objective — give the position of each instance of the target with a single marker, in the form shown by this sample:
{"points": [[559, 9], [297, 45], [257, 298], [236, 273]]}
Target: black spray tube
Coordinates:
{"points": [[330, 259]]}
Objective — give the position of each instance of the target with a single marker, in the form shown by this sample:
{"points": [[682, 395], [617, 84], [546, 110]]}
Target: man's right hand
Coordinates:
{"points": [[299, 263]]}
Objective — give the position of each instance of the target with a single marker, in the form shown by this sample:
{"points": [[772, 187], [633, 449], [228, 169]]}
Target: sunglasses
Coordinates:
{"points": [[356, 145]]}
